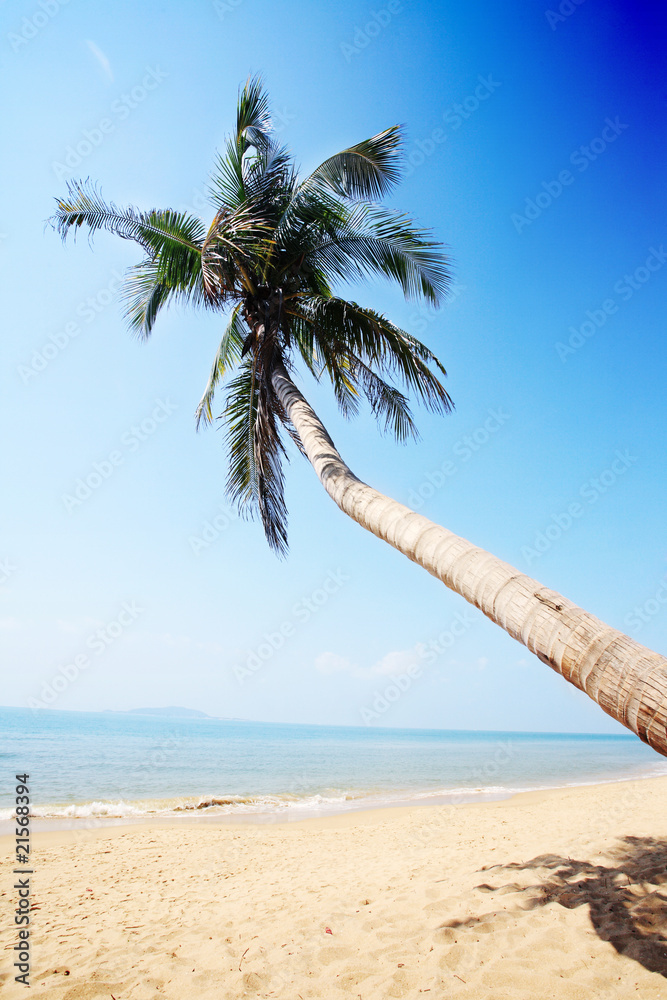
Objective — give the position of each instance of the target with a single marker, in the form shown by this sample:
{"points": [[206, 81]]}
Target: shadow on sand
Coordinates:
{"points": [[627, 907]]}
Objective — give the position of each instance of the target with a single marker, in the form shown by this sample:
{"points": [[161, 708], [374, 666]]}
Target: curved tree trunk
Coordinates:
{"points": [[627, 680]]}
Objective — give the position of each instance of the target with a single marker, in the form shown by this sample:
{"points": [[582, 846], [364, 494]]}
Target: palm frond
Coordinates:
{"points": [[351, 376], [239, 416], [253, 128], [340, 365], [255, 483], [269, 454], [268, 171], [309, 218], [225, 186], [85, 206], [366, 171], [144, 294], [387, 403], [374, 240], [253, 115], [233, 249], [376, 342], [229, 354]]}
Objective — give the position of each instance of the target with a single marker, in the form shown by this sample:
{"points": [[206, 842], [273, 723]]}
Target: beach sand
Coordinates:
{"points": [[559, 894]]}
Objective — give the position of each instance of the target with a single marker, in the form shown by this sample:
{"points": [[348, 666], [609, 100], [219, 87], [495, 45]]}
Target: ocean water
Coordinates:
{"points": [[86, 765]]}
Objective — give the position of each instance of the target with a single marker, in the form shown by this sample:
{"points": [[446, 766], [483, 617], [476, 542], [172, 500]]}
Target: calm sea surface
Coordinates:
{"points": [[84, 765]]}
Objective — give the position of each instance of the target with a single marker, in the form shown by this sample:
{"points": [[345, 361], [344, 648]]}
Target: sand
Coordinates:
{"points": [[559, 894]]}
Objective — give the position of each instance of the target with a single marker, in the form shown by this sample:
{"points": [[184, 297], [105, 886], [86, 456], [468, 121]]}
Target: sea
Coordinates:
{"points": [[88, 768]]}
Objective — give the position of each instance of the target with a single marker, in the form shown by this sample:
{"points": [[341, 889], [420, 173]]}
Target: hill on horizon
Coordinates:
{"points": [[173, 711]]}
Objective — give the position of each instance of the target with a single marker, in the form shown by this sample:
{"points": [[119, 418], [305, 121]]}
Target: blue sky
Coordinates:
{"points": [[535, 149]]}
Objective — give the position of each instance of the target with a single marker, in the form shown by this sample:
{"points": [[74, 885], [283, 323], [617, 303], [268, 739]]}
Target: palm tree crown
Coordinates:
{"points": [[269, 258]]}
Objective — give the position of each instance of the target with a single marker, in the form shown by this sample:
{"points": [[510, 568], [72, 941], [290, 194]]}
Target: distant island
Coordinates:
{"points": [[172, 712]]}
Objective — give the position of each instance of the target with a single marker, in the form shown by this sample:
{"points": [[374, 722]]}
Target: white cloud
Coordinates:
{"points": [[101, 58], [396, 662], [331, 663], [391, 664]]}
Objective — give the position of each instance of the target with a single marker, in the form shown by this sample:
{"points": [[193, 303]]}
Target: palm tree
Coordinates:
{"points": [[270, 256]]}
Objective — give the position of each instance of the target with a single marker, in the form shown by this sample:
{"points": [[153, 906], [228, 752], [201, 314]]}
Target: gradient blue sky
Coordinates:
{"points": [[146, 91]]}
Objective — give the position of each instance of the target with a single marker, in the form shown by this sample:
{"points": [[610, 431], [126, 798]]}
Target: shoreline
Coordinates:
{"points": [[557, 893], [363, 814], [292, 812]]}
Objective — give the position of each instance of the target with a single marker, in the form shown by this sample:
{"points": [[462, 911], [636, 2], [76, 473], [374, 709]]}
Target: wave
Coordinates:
{"points": [[291, 805], [213, 805], [226, 805]]}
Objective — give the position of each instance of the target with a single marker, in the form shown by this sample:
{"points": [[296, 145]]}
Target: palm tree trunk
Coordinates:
{"points": [[627, 680]]}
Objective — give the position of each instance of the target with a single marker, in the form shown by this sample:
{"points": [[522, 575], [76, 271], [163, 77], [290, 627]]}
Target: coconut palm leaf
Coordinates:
{"points": [[366, 171], [376, 341], [153, 230], [377, 241], [253, 129], [144, 294], [253, 113], [237, 242], [269, 454], [255, 482], [229, 354]]}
